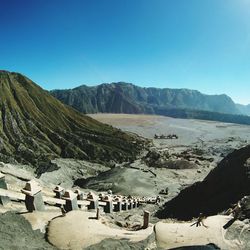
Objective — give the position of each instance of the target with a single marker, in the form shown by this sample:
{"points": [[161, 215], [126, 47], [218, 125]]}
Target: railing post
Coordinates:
{"points": [[118, 205], [93, 199], [109, 205], [59, 191], [146, 216], [125, 204], [79, 196], [135, 203], [33, 196], [71, 201], [98, 213], [130, 204], [4, 200]]}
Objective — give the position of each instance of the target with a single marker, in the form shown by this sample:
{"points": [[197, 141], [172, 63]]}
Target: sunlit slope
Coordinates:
{"points": [[36, 127]]}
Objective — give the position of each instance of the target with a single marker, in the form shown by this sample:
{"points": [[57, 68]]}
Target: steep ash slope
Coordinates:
{"points": [[35, 127], [223, 186]]}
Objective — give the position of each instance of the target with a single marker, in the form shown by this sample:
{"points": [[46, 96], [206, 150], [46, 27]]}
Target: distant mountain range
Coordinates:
{"points": [[244, 109], [127, 98], [35, 127]]}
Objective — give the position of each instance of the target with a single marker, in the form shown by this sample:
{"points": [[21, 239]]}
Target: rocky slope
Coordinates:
{"points": [[16, 233], [223, 186], [128, 98], [244, 109], [35, 128]]}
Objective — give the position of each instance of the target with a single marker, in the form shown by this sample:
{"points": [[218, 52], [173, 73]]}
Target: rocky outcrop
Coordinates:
{"points": [[223, 186], [163, 159], [17, 233]]}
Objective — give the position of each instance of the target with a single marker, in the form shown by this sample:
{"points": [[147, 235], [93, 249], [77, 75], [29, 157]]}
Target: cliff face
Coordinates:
{"points": [[244, 109], [224, 185], [35, 127], [128, 98]]}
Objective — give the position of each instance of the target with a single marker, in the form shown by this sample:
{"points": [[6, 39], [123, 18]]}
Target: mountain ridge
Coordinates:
{"points": [[244, 109], [142, 98], [128, 98]]}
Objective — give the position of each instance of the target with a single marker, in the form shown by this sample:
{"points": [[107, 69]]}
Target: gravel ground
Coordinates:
{"points": [[16, 234]]}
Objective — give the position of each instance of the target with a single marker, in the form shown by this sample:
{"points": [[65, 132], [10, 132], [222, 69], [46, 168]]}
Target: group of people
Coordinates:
{"points": [[170, 136], [236, 211], [237, 208]]}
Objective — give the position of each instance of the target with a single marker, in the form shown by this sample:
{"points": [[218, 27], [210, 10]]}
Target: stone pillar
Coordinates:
{"points": [[134, 203], [79, 194], [146, 217], [93, 199], [93, 204], [118, 205], [4, 200], [125, 205], [139, 203], [71, 201], [98, 213], [109, 205], [59, 192], [79, 197], [130, 204], [33, 196]]}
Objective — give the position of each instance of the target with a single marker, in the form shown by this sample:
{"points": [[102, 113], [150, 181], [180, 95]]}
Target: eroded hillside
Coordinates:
{"points": [[35, 127]]}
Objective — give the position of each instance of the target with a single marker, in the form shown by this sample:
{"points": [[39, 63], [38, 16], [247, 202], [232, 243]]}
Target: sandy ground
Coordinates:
{"points": [[129, 181], [189, 130], [172, 235], [215, 139], [76, 231]]}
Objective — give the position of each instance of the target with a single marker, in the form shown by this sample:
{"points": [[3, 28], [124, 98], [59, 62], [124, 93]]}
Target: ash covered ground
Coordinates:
{"points": [[171, 164], [176, 163]]}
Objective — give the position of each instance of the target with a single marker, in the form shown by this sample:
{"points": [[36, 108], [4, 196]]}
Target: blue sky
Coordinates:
{"points": [[195, 44]]}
